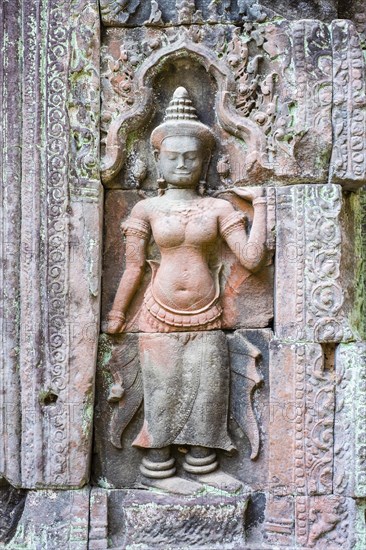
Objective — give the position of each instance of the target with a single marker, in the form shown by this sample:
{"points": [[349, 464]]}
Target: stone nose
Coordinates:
{"points": [[181, 162]]}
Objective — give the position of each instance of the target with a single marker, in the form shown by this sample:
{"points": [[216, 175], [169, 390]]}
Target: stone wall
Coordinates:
{"points": [[282, 87]]}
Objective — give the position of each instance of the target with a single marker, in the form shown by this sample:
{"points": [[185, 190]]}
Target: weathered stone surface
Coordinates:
{"points": [[60, 280], [50, 240], [302, 419], [10, 162], [118, 205], [11, 508], [146, 519], [116, 462], [318, 522], [360, 236], [271, 87], [356, 11], [53, 519], [353, 228], [98, 520], [165, 12], [280, 90], [246, 298], [350, 429], [348, 162], [314, 293], [118, 364]]}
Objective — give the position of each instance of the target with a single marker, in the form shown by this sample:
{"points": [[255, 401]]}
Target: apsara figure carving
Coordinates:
{"points": [[183, 353]]}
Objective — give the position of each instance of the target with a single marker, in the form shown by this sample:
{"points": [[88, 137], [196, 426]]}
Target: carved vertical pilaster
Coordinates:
{"points": [[85, 237], [302, 410], [10, 169], [301, 436], [312, 90], [33, 235], [350, 430], [361, 255], [312, 298], [348, 162], [61, 224]]}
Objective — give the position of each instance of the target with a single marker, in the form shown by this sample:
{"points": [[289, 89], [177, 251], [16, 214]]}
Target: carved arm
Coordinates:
{"points": [[137, 236], [251, 252]]}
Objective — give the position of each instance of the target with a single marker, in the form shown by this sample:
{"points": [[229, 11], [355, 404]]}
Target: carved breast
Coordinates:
{"points": [[184, 224]]}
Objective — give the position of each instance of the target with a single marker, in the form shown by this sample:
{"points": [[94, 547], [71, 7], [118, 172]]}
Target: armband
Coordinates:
{"points": [[232, 222], [136, 227]]}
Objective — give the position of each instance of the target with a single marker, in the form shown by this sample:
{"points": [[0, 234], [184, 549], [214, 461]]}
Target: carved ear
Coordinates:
{"points": [[156, 154]]}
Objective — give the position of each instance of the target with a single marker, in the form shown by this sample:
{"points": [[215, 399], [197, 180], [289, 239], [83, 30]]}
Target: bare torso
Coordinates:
{"points": [[186, 233]]}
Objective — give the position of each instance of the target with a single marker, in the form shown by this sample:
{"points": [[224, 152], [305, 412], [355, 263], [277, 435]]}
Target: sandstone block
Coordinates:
{"points": [[313, 293], [142, 519], [119, 418], [318, 522], [53, 519], [301, 424], [349, 428]]}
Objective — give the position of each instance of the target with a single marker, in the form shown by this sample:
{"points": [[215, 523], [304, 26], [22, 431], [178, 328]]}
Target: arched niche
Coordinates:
{"points": [[153, 85]]}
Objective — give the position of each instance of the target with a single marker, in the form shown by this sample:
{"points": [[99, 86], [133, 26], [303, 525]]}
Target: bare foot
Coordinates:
{"points": [[221, 481], [175, 484]]}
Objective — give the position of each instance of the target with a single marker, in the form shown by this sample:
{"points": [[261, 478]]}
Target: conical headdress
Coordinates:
{"points": [[181, 120]]}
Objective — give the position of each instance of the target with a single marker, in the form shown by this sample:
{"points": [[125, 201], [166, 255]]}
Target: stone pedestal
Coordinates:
{"points": [[145, 519]]}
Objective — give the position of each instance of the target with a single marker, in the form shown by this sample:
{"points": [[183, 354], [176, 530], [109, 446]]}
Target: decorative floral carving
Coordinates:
{"points": [[185, 10], [118, 11], [319, 426], [313, 255], [57, 242], [322, 262], [350, 431], [349, 114]]}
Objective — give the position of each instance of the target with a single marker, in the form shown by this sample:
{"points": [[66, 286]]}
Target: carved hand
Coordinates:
{"points": [[116, 323], [248, 193]]}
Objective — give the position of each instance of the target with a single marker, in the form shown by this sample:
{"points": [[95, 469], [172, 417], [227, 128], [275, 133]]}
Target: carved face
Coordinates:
{"points": [[180, 160]]}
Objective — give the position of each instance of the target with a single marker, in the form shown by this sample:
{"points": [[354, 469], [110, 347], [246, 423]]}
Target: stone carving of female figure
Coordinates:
{"points": [[183, 353]]}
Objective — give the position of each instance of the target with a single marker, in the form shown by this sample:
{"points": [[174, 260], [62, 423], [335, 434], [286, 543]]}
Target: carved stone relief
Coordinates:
{"points": [[188, 12], [181, 408], [246, 298], [264, 77], [302, 416], [348, 164], [52, 236], [315, 522], [349, 445], [10, 217], [229, 397], [313, 296], [53, 519], [119, 410]]}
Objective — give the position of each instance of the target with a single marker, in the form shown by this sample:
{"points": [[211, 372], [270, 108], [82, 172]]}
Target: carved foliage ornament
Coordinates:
{"points": [[185, 12], [130, 77]]}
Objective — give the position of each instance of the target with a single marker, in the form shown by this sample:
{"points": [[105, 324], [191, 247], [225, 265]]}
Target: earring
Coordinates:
{"points": [[202, 187], [162, 186]]}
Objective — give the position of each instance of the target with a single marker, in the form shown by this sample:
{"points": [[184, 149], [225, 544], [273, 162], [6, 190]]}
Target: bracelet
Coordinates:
{"points": [[260, 200], [116, 316]]}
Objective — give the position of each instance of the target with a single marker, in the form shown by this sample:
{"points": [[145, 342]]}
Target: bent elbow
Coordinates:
{"points": [[253, 257], [252, 266]]}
